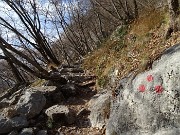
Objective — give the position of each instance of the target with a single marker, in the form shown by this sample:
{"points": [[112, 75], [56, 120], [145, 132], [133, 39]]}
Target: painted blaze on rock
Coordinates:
{"points": [[158, 88], [150, 78], [142, 88], [133, 113]]}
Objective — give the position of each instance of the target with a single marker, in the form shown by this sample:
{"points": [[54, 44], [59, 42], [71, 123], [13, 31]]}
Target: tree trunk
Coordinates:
{"points": [[173, 13], [19, 78]]}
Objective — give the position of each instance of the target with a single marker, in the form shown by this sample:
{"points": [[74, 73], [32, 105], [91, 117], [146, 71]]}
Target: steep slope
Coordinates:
{"points": [[131, 48]]}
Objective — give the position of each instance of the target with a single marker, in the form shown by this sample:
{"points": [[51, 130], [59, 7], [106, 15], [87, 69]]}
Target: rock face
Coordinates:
{"points": [[149, 104], [30, 104], [99, 106]]}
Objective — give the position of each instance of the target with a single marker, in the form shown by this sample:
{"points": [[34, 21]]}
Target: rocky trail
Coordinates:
{"points": [[145, 104], [58, 107]]}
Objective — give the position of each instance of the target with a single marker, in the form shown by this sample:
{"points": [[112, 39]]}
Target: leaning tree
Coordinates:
{"points": [[29, 37]]}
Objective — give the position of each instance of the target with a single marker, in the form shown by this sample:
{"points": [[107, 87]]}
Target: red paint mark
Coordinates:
{"points": [[150, 78], [158, 89], [142, 88]]}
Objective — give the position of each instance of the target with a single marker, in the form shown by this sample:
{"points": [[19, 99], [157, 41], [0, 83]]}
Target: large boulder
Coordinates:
{"points": [[149, 104], [30, 104], [99, 107]]}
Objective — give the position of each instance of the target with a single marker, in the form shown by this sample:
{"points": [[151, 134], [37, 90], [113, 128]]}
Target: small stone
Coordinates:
{"points": [[60, 113]]}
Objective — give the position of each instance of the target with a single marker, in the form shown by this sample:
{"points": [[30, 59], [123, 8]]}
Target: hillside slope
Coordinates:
{"points": [[131, 48]]}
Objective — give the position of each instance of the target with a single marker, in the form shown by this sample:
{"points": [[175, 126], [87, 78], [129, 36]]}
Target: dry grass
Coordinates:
{"points": [[143, 43], [151, 20]]}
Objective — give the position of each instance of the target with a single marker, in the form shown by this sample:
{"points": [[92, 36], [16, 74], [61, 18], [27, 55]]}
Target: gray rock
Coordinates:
{"points": [[52, 93], [99, 106], [30, 104], [61, 113], [42, 132], [19, 122], [149, 103], [27, 131], [7, 125], [172, 131]]}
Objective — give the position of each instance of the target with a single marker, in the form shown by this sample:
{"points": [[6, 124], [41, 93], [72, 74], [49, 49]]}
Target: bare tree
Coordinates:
{"points": [[33, 39]]}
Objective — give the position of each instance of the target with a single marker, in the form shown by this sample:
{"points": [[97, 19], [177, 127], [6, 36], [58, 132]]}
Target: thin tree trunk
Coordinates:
{"points": [[19, 78]]}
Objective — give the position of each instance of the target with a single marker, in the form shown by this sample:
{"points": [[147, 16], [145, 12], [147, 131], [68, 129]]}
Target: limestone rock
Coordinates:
{"points": [[149, 103], [30, 104], [61, 113], [172, 131], [99, 106]]}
